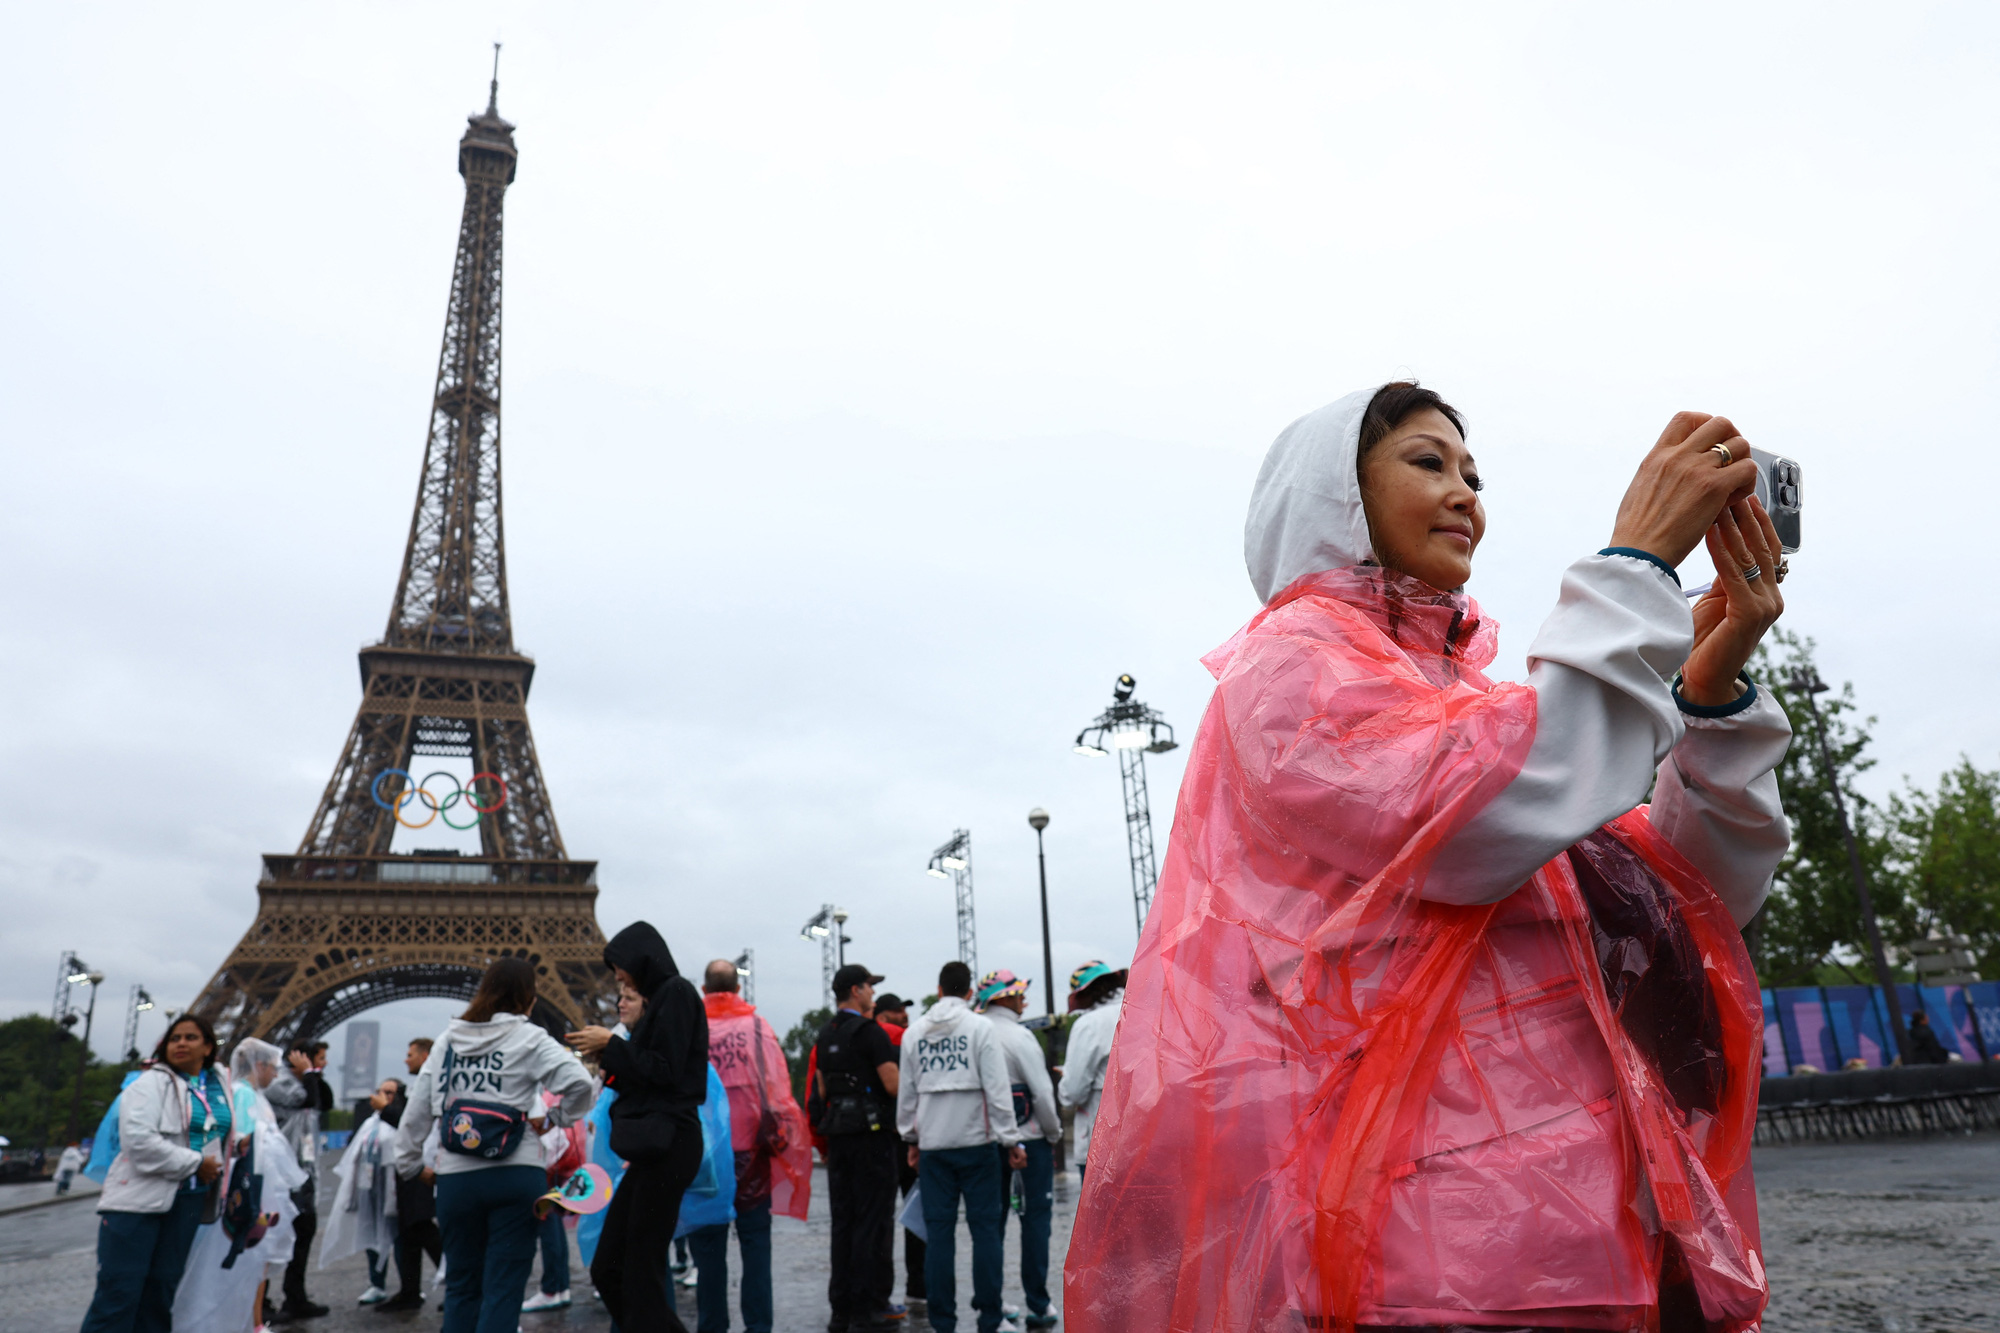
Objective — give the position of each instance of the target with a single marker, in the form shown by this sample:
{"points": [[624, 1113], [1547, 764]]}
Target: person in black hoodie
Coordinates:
{"points": [[660, 1074]]}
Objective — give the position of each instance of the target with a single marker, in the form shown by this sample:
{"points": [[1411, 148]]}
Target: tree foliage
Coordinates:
{"points": [[38, 1082], [1932, 857], [798, 1044]]}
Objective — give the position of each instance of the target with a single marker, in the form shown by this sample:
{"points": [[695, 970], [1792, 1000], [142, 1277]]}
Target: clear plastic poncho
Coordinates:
{"points": [[1331, 1102], [211, 1297]]}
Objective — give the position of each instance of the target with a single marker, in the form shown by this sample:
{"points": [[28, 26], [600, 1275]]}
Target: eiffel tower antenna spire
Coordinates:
{"points": [[347, 923]]}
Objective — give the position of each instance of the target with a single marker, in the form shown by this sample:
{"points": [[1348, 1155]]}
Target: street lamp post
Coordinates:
{"points": [[1038, 819], [1806, 686], [1134, 731], [95, 979]]}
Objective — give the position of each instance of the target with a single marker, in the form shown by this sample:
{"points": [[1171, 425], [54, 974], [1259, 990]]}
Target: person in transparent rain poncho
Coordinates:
{"points": [[1441, 1016], [218, 1299], [363, 1217]]}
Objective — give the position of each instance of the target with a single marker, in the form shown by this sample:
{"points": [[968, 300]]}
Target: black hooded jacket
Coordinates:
{"points": [[660, 1072]]}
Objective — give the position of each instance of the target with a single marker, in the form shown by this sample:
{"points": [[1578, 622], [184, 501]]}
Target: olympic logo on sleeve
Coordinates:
{"points": [[482, 801]]}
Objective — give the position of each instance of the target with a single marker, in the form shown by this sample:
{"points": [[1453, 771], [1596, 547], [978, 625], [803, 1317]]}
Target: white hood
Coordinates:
{"points": [[477, 1039], [1305, 511]]}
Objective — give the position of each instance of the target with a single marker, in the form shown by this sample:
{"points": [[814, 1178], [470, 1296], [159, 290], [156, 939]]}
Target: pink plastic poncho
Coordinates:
{"points": [[764, 1116], [1331, 1102]]}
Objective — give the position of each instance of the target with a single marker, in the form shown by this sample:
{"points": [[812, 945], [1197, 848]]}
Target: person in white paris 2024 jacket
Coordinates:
{"points": [[953, 1102], [1001, 997]]}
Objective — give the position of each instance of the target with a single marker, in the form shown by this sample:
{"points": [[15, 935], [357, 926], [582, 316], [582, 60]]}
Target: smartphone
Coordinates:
{"points": [[1778, 492]]}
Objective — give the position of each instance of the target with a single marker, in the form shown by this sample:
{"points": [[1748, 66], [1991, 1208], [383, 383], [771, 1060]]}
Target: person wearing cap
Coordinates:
{"points": [[892, 1012], [1096, 997], [953, 1107], [1001, 996], [855, 1084]]}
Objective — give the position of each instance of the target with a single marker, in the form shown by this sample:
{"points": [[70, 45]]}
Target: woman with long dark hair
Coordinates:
{"points": [[1433, 1023], [173, 1140], [483, 1086]]}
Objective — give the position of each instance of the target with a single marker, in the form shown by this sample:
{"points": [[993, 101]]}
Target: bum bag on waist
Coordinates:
{"points": [[490, 1130]]}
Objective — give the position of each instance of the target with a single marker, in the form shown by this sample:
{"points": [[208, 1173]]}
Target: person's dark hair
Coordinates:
{"points": [[507, 988], [303, 1047], [422, 1043], [954, 978], [1395, 403], [207, 1035], [401, 1087]]}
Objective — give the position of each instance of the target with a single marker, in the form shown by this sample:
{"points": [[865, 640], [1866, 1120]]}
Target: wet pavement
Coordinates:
{"points": [[1900, 1237]]}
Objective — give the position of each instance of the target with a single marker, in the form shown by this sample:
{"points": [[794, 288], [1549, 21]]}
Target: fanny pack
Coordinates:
{"points": [[490, 1130], [851, 1106]]}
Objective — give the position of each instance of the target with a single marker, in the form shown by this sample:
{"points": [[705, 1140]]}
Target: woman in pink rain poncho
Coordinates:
{"points": [[1433, 1024]]}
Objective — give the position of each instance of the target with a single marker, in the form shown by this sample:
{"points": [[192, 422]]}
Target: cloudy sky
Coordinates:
{"points": [[882, 381]]}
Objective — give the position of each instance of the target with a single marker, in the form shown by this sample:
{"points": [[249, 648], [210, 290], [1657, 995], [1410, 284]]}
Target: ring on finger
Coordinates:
{"points": [[1753, 573], [1723, 452]]}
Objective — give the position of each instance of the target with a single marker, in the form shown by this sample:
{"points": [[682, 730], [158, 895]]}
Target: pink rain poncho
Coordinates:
{"points": [[767, 1129], [1332, 1102]]}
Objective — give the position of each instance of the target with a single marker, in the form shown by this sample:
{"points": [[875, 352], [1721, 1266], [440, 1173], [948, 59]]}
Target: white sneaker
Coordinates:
{"points": [[1009, 1323], [689, 1278], [543, 1300], [373, 1296]]}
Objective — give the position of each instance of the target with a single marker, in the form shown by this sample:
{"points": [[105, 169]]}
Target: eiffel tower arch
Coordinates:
{"points": [[344, 924]]}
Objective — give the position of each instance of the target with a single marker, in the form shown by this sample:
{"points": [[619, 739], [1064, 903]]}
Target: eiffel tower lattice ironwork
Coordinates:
{"points": [[344, 924]]}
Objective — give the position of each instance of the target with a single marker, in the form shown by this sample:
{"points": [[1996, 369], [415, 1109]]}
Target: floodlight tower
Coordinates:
{"points": [[825, 927], [953, 861], [1134, 731], [138, 1004], [746, 974]]}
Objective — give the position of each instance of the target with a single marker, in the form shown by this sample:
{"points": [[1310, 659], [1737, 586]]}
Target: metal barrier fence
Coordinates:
{"points": [[1919, 1100]]}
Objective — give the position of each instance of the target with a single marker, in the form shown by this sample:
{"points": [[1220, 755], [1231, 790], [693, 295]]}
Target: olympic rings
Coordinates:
{"points": [[419, 793]]}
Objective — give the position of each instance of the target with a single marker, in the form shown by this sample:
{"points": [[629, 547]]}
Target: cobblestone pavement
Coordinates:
{"points": [[48, 1268], [1860, 1238]]}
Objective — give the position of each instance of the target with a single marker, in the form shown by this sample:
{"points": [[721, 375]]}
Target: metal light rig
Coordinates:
{"points": [[746, 975], [825, 927], [138, 1004], [953, 861], [1134, 731]]}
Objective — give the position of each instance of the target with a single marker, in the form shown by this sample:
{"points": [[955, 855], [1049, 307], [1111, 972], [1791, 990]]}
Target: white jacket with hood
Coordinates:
{"points": [[506, 1060], [1084, 1062], [953, 1090], [154, 1160], [1027, 1068], [1607, 721]]}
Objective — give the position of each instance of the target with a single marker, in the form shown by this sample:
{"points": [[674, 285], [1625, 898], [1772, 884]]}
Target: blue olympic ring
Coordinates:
{"points": [[419, 793]]}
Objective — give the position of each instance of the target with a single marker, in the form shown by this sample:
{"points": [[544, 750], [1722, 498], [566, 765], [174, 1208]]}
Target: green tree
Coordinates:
{"points": [[38, 1082], [798, 1044], [1947, 849], [1813, 917]]}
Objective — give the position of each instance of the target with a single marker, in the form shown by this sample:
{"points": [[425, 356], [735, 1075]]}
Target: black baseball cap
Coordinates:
{"points": [[851, 976], [889, 1002]]}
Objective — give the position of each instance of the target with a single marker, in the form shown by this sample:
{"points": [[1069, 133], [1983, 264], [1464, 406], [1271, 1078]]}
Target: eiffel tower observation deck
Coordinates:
{"points": [[344, 923]]}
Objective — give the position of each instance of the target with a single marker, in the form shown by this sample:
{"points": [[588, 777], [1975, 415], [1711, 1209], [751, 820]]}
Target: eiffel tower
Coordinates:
{"points": [[344, 924]]}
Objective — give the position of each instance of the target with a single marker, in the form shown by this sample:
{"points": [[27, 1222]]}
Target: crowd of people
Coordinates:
{"points": [[211, 1205]]}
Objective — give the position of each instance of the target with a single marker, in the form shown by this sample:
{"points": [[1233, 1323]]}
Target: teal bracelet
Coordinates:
{"points": [[1730, 709]]}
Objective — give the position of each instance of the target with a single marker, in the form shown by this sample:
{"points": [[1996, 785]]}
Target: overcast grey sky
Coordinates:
{"points": [[882, 381]]}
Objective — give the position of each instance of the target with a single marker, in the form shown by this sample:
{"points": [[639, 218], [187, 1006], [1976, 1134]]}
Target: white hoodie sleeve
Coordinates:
{"points": [[1605, 721], [995, 1084], [1040, 1092], [418, 1116], [557, 1069]]}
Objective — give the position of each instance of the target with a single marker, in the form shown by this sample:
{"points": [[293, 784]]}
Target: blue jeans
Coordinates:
{"points": [[943, 1175], [555, 1252], [710, 1247], [488, 1218], [378, 1269], [140, 1258], [1038, 1211]]}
